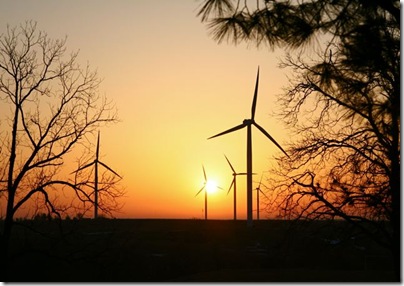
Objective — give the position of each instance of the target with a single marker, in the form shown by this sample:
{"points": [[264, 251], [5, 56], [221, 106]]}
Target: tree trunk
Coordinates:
{"points": [[11, 190], [396, 223], [5, 244], [395, 186]]}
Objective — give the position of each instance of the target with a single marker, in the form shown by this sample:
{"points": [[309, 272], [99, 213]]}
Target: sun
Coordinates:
{"points": [[211, 187]]}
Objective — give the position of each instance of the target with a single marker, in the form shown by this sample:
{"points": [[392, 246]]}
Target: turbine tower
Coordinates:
{"points": [[206, 192], [204, 187], [95, 163], [233, 184], [248, 123], [258, 189]]}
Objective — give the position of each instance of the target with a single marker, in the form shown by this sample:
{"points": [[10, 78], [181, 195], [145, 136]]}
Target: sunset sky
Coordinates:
{"points": [[174, 87]]}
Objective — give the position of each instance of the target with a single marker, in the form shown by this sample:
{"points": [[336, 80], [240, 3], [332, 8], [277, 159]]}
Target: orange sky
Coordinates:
{"points": [[174, 87]]}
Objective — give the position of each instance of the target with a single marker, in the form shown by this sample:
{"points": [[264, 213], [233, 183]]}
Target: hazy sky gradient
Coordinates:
{"points": [[174, 87]]}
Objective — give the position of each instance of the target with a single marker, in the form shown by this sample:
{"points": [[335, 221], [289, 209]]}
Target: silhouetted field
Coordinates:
{"points": [[141, 250]]}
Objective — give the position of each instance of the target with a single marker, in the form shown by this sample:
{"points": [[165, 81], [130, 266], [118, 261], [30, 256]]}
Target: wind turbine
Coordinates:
{"points": [[248, 123], [258, 189], [204, 187], [233, 184], [95, 163]]}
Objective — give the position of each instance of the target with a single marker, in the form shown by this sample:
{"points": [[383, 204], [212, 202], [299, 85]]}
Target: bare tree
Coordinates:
{"points": [[49, 105], [346, 163]]}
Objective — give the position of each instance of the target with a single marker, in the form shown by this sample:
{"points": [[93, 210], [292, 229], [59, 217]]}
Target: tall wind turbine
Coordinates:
{"points": [[258, 189], [95, 163], [248, 123], [233, 184]]}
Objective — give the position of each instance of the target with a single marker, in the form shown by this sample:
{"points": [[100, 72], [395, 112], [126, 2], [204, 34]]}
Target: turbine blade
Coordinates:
{"points": [[85, 166], [109, 169], [243, 174], [263, 193], [261, 179], [200, 190], [204, 173], [254, 103], [242, 125], [270, 137], [231, 185], [230, 164]]}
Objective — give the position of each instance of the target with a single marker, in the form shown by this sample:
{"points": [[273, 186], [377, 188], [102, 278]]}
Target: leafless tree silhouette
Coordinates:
{"points": [[52, 105]]}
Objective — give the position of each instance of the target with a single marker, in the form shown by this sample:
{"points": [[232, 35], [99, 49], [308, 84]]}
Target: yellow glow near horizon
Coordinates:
{"points": [[211, 187]]}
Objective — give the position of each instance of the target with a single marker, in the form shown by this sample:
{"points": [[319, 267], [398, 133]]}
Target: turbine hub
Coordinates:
{"points": [[248, 121]]}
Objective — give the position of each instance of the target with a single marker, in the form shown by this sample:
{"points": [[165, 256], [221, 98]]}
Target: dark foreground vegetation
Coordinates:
{"points": [[137, 250]]}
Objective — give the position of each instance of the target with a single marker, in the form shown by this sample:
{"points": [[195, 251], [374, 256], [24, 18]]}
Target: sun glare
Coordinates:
{"points": [[211, 187]]}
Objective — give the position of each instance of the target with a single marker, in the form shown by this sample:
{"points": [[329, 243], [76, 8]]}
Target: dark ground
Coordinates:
{"points": [[137, 250]]}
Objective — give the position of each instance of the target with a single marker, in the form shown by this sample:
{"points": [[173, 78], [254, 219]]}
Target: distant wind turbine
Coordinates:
{"points": [[248, 123], [258, 189], [233, 184], [95, 163], [205, 187]]}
